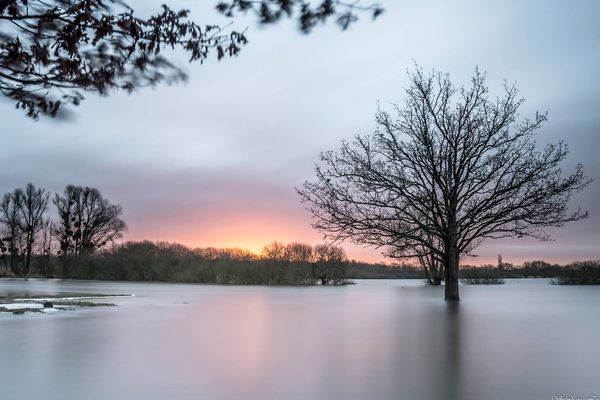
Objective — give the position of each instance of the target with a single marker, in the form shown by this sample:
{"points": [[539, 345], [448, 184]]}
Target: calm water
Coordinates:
{"points": [[374, 340]]}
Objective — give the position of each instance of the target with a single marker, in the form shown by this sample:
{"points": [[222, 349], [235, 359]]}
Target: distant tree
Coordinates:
{"points": [[209, 253], [235, 253], [433, 267], [87, 220], [32, 204], [430, 261], [53, 50], [454, 165], [274, 251], [11, 220], [298, 252], [329, 264]]}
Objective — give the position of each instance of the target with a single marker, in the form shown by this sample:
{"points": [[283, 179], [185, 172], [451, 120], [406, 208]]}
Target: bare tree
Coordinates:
{"points": [[329, 264], [298, 252], [53, 50], [87, 220], [433, 267], [32, 204], [454, 165], [11, 221], [430, 261], [274, 251], [294, 252]]}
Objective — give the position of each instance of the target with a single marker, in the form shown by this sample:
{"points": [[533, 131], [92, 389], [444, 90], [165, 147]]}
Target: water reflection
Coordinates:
{"points": [[375, 340], [452, 361]]}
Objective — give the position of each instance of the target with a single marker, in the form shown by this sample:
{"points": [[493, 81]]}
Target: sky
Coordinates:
{"points": [[214, 161]]}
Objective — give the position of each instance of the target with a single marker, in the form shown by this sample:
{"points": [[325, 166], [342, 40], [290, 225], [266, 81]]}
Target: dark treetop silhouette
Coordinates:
{"points": [[22, 215], [87, 221], [52, 50], [452, 168]]}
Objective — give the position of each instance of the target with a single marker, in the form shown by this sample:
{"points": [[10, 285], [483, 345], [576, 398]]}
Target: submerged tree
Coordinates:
{"points": [[329, 264], [53, 50], [87, 220], [432, 263], [453, 165]]}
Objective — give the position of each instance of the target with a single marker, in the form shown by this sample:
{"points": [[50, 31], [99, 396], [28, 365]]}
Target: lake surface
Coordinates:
{"points": [[376, 340]]}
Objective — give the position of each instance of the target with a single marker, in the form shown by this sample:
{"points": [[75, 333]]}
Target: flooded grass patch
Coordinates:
{"points": [[37, 303]]}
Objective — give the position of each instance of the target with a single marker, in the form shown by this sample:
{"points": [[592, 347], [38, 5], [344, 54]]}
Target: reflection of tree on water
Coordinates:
{"points": [[426, 347], [453, 360], [441, 335]]}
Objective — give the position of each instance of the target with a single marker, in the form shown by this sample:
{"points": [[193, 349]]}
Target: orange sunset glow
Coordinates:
{"points": [[221, 228], [250, 232]]}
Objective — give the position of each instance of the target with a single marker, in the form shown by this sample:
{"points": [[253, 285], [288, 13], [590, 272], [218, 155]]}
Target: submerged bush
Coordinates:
{"points": [[483, 281], [481, 276]]}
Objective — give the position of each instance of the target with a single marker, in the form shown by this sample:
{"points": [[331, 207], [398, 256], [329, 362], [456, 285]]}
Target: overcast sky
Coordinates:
{"points": [[214, 162]]}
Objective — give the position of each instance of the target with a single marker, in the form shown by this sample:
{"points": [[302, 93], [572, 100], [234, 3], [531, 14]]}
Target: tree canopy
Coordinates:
{"points": [[51, 51]]}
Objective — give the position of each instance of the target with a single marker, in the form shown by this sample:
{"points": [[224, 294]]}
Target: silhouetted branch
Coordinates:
{"points": [[52, 51]]}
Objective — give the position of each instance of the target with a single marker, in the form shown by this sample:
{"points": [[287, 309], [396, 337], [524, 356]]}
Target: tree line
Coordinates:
{"points": [[278, 264], [84, 221], [577, 272]]}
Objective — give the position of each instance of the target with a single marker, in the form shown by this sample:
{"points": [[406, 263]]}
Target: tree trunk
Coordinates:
{"points": [[451, 274], [13, 264], [27, 261], [13, 247], [65, 264]]}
